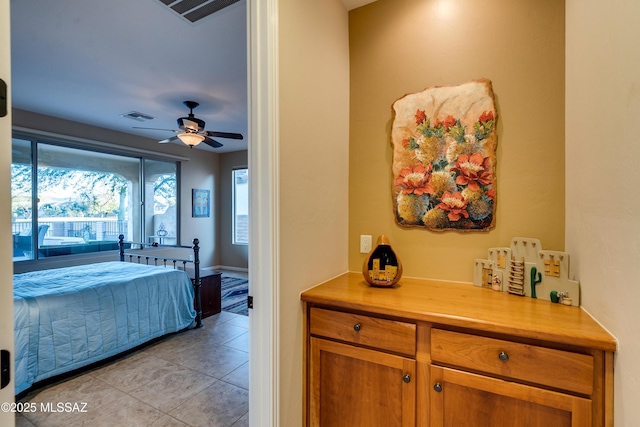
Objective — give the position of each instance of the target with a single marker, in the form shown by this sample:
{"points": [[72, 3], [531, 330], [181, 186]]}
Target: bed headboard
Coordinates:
{"points": [[162, 257]]}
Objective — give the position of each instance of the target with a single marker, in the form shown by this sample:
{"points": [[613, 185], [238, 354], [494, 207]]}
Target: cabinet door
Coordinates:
{"points": [[206, 298], [463, 399], [210, 295], [356, 387]]}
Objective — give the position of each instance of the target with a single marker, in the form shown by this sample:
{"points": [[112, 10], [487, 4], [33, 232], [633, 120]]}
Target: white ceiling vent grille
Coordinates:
{"points": [[195, 10], [137, 116]]}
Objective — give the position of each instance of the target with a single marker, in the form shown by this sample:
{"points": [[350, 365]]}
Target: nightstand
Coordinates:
{"points": [[210, 292]]}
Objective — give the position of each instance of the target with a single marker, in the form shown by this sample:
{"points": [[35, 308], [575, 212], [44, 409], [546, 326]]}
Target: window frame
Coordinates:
{"points": [[234, 233], [35, 139]]}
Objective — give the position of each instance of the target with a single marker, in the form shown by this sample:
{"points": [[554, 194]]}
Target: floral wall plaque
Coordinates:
{"points": [[444, 158]]}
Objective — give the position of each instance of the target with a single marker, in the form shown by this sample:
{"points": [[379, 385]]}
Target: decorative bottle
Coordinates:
{"points": [[382, 267]]}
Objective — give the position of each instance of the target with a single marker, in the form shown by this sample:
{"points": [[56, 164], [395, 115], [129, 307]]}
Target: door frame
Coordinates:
{"points": [[6, 256], [263, 200], [264, 271]]}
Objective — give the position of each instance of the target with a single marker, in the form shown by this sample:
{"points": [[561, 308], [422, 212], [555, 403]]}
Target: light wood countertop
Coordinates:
{"points": [[466, 306]]}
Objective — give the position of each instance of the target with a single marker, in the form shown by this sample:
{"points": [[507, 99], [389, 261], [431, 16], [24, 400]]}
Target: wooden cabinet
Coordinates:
{"points": [[464, 399], [386, 335], [506, 398], [358, 379], [432, 354], [359, 387], [210, 293], [515, 361]]}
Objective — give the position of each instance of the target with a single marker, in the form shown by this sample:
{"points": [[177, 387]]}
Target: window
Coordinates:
{"points": [[240, 205], [22, 198], [81, 200], [162, 213]]}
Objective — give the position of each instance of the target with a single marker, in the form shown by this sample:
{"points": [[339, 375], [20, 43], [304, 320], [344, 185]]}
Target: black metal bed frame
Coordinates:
{"points": [[197, 282]]}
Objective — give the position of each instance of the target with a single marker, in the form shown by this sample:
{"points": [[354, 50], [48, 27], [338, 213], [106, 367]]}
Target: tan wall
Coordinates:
{"points": [[603, 209], [201, 172], [403, 46], [230, 255], [313, 172]]}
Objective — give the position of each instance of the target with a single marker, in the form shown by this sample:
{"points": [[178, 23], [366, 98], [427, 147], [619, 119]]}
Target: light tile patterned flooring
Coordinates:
{"points": [[193, 378]]}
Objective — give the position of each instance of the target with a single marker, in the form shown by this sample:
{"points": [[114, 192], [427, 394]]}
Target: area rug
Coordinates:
{"points": [[234, 295]]}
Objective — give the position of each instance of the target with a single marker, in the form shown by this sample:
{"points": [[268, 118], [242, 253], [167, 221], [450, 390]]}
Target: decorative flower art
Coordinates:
{"points": [[455, 205], [472, 171], [444, 158], [415, 180]]}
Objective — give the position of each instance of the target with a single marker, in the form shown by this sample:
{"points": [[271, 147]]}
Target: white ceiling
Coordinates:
{"points": [[90, 61]]}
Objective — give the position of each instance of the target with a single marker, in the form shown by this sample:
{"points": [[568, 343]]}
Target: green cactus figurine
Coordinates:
{"points": [[535, 280]]}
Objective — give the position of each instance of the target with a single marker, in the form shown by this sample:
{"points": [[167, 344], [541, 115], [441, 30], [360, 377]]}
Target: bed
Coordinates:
{"points": [[68, 318]]}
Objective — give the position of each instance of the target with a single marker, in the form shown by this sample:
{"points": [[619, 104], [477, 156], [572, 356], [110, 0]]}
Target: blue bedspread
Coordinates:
{"points": [[71, 317]]}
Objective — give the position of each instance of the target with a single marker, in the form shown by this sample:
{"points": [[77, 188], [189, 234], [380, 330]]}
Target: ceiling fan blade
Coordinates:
{"points": [[212, 143], [228, 135], [169, 130], [172, 139]]}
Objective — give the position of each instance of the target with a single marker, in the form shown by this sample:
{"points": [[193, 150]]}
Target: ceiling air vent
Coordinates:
{"points": [[195, 10], [137, 116]]}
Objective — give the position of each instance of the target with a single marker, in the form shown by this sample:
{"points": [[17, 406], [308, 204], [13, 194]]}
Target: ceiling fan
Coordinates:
{"points": [[191, 130]]}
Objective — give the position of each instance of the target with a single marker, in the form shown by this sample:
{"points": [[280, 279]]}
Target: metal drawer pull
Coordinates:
{"points": [[406, 378], [503, 356], [437, 387], [356, 327]]}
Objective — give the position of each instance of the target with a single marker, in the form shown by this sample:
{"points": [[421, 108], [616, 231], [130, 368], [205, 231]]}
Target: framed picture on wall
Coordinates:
{"points": [[444, 143], [200, 203]]}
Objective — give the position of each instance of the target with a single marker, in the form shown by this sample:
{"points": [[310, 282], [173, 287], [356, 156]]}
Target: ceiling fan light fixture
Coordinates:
{"points": [[191, 139], [191, 131]]}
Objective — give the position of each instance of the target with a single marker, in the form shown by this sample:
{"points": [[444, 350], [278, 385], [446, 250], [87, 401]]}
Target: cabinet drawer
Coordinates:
{"points": [[539, 365], [389, 335]]}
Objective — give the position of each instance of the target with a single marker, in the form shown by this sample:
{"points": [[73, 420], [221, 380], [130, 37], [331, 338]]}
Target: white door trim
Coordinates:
{"points": [[262, 24], [6, 251]]}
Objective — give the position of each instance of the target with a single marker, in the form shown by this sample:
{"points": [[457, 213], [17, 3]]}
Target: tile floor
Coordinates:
{"points": [[194, 378]]}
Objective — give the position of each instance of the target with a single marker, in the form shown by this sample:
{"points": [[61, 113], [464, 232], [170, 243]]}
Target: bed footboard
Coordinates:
{"points": [[166, 261]]}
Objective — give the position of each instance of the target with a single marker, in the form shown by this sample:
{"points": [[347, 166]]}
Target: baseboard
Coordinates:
{"points": [[225, 267]]}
